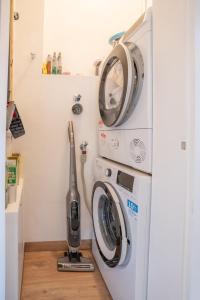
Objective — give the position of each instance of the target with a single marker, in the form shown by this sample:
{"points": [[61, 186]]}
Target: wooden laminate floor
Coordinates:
{"points": [[42, 281]]}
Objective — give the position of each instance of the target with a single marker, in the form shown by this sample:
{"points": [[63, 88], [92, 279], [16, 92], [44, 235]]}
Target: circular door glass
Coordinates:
{"points": [[109, 222], [114, 86], [120, 84], [109, 225]]}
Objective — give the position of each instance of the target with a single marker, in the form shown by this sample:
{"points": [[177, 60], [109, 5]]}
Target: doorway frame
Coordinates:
{"points": [[4, 62]]}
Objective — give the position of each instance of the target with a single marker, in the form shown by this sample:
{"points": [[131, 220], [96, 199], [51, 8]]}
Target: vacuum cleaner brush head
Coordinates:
{"points": [[76, 263]]}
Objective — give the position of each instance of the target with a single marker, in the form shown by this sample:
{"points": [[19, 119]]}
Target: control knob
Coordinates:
{"points": [[108, 172]]}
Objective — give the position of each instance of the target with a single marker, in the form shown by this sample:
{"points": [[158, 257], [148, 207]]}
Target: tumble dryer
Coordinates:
{"points": [[125, 98], [121, 216]]}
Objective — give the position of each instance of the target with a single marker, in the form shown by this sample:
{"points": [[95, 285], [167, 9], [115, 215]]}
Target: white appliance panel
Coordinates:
{"points": [[130, 147]]}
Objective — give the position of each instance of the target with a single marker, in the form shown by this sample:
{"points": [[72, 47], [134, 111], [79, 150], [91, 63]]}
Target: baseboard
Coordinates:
{"points": [[53, 246]]}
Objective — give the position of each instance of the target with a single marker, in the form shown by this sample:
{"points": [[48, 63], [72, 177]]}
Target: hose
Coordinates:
{"points": [[83, 159]]}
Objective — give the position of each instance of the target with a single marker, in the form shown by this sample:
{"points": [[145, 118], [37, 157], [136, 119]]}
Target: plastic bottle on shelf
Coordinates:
{"points": [[44, 69], [49, 63], [59, 63], [54, 64]]}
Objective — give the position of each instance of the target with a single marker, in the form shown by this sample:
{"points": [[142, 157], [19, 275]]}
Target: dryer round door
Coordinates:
{"points": [[120, 84], [109, 224]]}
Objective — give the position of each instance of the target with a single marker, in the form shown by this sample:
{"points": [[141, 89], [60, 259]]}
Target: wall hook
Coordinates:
{"points": [[77, 98], [16, 16], [33, 55]]}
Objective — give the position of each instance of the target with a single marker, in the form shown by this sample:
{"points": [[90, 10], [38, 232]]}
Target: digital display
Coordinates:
{"points": [[125, 180]]}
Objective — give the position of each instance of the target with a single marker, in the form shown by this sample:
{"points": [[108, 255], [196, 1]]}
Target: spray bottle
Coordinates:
{"points": [[59, 64], [49, 63], [54, 64]]}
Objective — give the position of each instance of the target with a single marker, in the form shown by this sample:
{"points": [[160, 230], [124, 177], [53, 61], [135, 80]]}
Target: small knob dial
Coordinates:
{"points": [[108, 172]]}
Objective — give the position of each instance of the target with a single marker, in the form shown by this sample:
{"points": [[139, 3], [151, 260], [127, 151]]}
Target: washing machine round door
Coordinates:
{"points": [[109, 224], [120, 84]]}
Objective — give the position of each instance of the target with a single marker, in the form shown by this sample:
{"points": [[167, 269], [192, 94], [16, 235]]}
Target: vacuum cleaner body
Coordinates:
{"points": [[73, 220], [73, 259]]}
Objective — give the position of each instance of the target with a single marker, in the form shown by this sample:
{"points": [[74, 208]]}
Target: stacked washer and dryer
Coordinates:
{"points": [[121, 197]]}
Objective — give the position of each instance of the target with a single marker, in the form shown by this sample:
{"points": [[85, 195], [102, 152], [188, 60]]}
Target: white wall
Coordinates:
{"points": [[45, 106], [4, 41], [171, 202], [81, 29], [45, 149], [28, 38]]}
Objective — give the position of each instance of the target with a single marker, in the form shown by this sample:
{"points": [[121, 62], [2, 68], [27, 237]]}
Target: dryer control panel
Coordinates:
{"points": [[129, 147]]}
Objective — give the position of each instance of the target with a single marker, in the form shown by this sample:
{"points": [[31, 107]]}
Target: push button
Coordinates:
{"points": [[108, 172]]}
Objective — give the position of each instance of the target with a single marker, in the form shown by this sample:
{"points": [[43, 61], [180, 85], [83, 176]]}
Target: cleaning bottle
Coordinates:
{"points": [[44, 69], [59, 64], [54, 64], [49, 63]]}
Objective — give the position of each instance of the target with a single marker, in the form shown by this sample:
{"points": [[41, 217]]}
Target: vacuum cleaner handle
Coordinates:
{"points": [[71, 133], [73, 198]]}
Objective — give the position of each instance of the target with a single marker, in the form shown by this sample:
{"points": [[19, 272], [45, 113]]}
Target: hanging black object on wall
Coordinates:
{"points": [[16, 126]]}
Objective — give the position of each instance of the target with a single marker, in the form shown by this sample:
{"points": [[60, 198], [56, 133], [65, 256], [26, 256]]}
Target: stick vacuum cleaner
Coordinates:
{"points": [[73, 259]]}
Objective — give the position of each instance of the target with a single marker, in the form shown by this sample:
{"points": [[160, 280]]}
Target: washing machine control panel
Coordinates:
{"points": [[125, 180]]}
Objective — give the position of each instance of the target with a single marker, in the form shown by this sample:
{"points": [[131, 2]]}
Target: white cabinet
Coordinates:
{"points": [[14, 246]]}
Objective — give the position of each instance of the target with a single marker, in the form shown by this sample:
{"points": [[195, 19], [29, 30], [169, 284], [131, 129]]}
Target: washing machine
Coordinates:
{"points": [[121, 201], [125, 98]]}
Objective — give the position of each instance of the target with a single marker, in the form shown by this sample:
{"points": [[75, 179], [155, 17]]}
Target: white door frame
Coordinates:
{"points": [[192, 258], [4, 46], [174, 262]]}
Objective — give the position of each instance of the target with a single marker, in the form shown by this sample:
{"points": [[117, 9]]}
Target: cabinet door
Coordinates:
{"points": [[20, 246]]}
